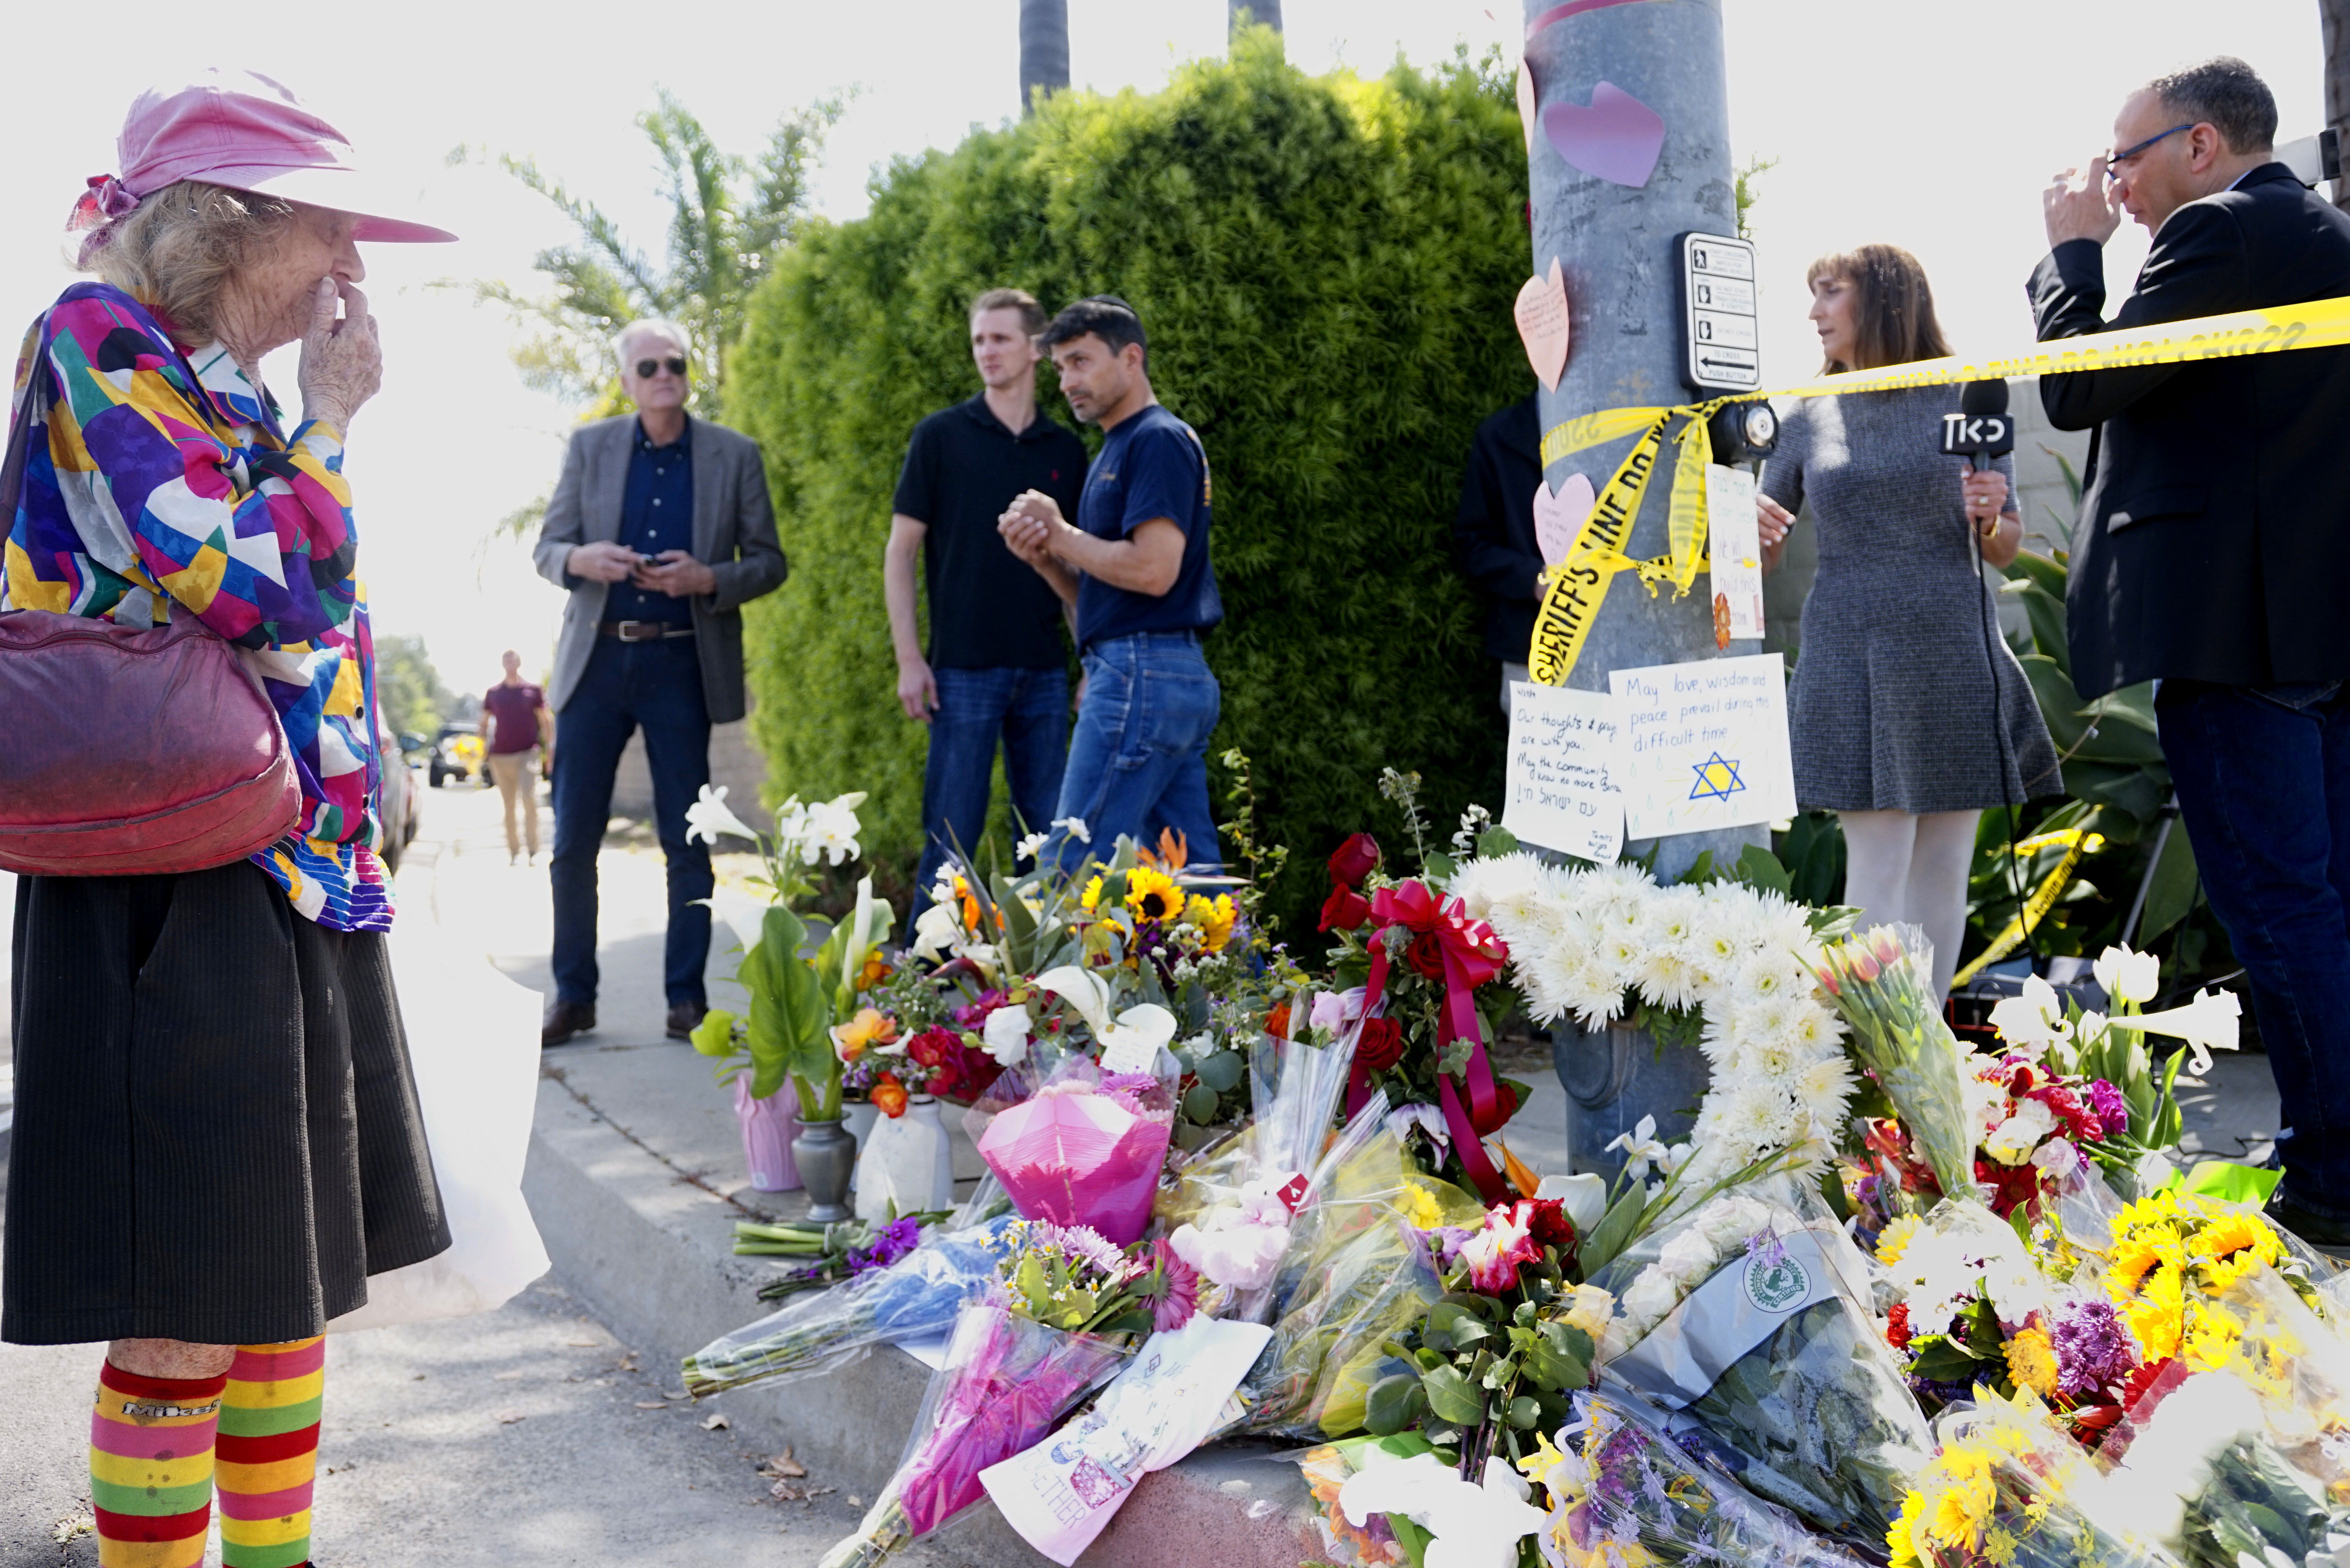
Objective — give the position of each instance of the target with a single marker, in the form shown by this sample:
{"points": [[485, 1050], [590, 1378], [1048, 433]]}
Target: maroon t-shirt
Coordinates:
{"points": [[512, 715]]}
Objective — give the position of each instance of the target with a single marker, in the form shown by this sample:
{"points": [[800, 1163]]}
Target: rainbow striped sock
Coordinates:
{"points": [[269, 1453], [151, 1467]]}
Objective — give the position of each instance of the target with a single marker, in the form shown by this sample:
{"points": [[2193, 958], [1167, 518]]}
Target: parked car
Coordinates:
{"points": [[399, 802], [456, 753]]}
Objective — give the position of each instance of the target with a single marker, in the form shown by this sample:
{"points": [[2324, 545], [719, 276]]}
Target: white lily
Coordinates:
{"points": [[1032, 846], [2033, 1021], [2128, 976], [710, 815], [1006, 1034], [1076, 827], [1584, 1196], [1473, 1526], [871, 923], [2209, 1022], [1641, 1150], [746, 917], [936, 929], [829, 829]]}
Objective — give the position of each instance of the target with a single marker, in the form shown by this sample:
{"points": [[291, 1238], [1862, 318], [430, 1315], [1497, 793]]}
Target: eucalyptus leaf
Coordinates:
{"points": [[1221, 1071], [1199, 1104]]}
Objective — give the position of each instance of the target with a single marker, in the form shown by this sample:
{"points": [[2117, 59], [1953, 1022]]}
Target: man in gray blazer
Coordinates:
{"points": [[660, 528]]}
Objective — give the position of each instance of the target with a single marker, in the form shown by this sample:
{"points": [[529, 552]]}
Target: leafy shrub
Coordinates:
{"points": [[1325, 267]]}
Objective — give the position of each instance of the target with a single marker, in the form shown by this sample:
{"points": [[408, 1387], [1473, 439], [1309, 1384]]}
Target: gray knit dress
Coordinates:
{"points": [[1891, 709]]}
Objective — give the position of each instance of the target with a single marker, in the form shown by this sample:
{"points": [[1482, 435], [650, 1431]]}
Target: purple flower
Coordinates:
{"points": [[2093, 1348], [891, 1242], [2113, 1111], [1765, 1247], [1447, 1242]]}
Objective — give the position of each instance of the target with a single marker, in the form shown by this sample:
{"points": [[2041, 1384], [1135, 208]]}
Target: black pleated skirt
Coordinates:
{"points": [[217, 1138]]}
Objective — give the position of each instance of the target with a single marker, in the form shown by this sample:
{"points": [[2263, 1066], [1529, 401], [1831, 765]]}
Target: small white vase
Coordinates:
{"points": [[903, 1162], [859, 1116]]}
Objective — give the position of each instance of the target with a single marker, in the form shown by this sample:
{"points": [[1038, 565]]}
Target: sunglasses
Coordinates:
{"points": [[648, 368], [2114, 161]]}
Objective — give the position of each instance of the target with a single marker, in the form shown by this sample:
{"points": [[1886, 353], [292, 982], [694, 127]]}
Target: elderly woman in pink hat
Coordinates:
{"points": [[217, 1138]]}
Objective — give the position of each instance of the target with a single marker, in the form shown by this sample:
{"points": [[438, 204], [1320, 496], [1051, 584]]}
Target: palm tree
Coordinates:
{"points": [[1043, 50], [1264, 13], [2333, 23]]}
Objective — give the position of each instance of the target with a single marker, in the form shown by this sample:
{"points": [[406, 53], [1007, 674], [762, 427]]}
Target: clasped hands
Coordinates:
{"points": [[672, 572], [1029, 525]]}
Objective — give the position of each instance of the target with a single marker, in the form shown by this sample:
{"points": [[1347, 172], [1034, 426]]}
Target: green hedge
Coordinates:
{"points": [[1325, 267]]}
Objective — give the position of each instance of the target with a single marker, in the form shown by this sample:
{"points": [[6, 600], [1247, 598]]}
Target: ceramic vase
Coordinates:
{"points": [[859, 1116], [906, 1162], [767, 1129], [827, 1156]]}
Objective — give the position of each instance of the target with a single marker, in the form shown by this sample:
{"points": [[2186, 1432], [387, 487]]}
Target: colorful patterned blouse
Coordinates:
{"points": [[160, 495]]}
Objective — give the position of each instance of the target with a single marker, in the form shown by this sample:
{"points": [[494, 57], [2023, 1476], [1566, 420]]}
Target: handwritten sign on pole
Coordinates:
{"points": [[1734, 545], [1704, 744], [1563, 789]]}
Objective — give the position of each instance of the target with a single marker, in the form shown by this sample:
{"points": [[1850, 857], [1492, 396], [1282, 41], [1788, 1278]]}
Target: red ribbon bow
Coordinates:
{"points": [[1465, 953]]}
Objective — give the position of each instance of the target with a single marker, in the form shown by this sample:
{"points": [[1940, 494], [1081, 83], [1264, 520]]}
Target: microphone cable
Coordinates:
{"points": [[2007, 768]]}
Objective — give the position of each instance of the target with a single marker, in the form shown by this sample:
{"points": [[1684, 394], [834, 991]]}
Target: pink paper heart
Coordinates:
{"points": [[1559, 518], [1528, 114], [1615, 138], [1543, 324]]}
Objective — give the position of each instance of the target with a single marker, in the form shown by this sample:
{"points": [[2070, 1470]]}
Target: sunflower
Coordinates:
{"points": [[1214, 920], [2157, 1317], [2232, 1233], [2133, 1260], [2211, 1344], [1152, 895]]}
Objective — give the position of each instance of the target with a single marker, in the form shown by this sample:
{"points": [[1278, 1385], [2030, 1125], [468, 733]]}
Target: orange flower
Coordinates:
{"points": [[889, 1095], [1174, 850], [876, 970], [871, 1029]]}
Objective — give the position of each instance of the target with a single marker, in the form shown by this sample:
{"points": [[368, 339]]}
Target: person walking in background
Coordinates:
{"points": [[1908, 715], [1493, 532], [217, 1138], [2211, 555], [515, 718], [1135, 567], [660, 529], [997, 668]]}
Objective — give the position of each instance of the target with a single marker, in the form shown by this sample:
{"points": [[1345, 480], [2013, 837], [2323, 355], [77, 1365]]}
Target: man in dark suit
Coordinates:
{"points": [[660, 528], [1493, 532], [2211, 554]]}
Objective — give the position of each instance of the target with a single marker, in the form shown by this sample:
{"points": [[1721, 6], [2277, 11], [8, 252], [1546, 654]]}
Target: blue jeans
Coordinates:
{"points": [[2263, 782], [1028, 710], [656, 686], [1139, 761]]}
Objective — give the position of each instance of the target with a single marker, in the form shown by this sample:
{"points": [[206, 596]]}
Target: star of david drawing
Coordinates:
{"points": [[1717, 779]]}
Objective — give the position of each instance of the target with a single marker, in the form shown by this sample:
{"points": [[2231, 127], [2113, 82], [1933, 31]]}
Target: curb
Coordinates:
{"points": [[651, 1249]]}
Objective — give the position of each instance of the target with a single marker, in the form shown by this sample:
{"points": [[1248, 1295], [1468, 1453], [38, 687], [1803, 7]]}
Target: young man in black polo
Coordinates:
{"points": [[997, 667]]}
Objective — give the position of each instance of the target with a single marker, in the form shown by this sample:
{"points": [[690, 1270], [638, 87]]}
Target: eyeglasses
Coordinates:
{"points": [[2114, 161], [648, 368]]}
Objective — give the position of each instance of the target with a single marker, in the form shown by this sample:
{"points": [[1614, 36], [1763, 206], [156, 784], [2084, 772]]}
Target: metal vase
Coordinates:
{"points": [[826, 1156], [767, 1129], [1613, 1077]]}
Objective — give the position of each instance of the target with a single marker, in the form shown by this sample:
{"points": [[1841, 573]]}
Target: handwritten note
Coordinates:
{"points": [[1734, 545], [1563, 789], [1703, 745], [1543, 324]]}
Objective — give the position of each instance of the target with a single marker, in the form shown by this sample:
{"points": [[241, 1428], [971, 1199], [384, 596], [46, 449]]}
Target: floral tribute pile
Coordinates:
{"points": [[1894, 1300]]}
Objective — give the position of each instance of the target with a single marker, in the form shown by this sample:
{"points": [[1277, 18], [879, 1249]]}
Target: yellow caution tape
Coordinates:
{"points": [[1579, 585], [2078, 842]]}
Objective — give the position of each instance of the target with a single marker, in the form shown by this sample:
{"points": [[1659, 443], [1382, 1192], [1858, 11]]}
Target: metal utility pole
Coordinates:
{"points": [[2333, 29], [1044, 51], [1267, 11], [1618, 248]]}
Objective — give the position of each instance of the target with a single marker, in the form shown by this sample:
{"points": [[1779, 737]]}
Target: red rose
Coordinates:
{"points": [[1551, 1227], [1380, 1045], [1505, 1106], [1345, 910], [1354, 860], [933, 1047], [1897, 1327], [1426, 955]]}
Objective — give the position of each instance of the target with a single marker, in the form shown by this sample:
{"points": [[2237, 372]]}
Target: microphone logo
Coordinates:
{"points": [[1965, 434]]}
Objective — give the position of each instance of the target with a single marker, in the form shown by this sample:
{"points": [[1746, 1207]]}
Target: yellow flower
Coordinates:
{"points": [[1538, 1465], [2157, 1317], [2134, 1257], [1214, 920], [1898, 1539], [1419, 1207], [1091, 896], [1591, 1312], [2211, 1344], [1999, 1546], [871, 1028], [1895, 1238], [2031, 1361], [1152, 895]]}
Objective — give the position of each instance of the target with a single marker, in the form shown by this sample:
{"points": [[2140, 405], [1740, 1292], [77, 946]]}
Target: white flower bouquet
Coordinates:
{"points": [[1750, 1319]]}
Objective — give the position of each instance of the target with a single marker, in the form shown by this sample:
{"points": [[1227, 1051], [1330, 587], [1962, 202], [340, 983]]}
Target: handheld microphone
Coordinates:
{"points": [[1982, 429]]}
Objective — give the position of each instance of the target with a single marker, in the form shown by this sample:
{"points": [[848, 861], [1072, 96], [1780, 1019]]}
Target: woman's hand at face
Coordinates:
{"points": [[1771, 522], [342, 362]]}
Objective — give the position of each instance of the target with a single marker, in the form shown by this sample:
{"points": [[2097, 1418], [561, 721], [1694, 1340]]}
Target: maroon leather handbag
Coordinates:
{"points": [[130, 750]]}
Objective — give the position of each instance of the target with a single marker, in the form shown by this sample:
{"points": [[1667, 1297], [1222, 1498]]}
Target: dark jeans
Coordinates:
{"points": [[657, 686], [1028, 710], [2263, 782], [1139, 761]]}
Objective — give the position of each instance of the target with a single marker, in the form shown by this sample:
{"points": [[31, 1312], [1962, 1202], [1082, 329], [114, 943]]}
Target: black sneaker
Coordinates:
{"points": [[2331, 1237]]}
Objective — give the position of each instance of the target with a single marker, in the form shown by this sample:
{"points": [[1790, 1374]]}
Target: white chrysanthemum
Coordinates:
{"points": [[1815, 1028], [1767, 1020], [1769, 1059], [1756, 1122], [1507, 884], [1826, 1085], [1767, 973], [1617, 893]]}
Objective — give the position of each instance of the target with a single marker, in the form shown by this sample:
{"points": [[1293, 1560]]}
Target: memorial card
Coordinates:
{"points": [[1563, 788], [1703, 745], [1734, 545]]}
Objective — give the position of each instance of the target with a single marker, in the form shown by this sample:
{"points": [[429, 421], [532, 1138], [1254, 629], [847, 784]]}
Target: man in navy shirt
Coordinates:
{"points": [[1135, 566], [996, 667]]}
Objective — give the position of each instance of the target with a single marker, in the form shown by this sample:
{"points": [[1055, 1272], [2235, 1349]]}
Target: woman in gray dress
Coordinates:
{"points": [[1908, 715]]}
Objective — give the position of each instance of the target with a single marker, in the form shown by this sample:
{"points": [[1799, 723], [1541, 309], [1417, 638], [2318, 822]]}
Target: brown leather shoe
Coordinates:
{"points": [[684, 1019], [564, 1019]]}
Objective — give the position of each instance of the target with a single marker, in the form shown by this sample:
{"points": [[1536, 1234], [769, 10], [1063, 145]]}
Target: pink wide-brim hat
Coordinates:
{"points": [[249, 133]]}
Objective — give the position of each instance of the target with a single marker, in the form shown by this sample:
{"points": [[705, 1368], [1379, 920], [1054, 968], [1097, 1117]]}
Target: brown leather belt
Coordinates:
{"points": [[642, 630]]}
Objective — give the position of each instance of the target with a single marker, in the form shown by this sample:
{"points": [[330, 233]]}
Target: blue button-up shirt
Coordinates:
{"points": [[656, 514]]}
